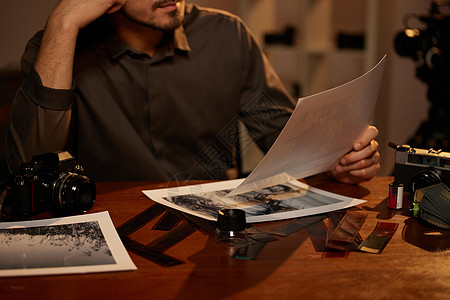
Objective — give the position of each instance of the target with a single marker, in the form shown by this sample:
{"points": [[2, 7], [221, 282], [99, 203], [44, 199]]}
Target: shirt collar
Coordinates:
{"points": [[180, 40], [176, 39]]}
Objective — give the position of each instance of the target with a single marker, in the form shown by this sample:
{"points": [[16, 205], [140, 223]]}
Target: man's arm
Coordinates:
{"points": [[41, 113], [265, 103], [54, 62]]}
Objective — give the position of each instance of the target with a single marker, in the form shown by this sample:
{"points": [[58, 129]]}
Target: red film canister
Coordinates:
{"points": [[395, 200]]}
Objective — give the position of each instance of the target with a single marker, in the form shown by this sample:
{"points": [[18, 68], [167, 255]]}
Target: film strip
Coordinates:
{"points": [[257, 241], [335, 240], [343, 230], [177, 230], [168, 221], [342, 234], [317, 233], [298, 224], [140, 220], [379, 237]]}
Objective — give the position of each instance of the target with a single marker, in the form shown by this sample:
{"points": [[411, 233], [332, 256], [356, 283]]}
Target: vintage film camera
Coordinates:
{"points": [[419, 168], [51, 182]]}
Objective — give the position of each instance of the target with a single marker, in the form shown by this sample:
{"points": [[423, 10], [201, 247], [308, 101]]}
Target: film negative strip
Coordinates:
{"points": [[172, 237], [434, 204], [318, 235], [257, 241], [297, 225], [379, 237], [168, 221], [154, 250], [140, 220], [260, 236], [206, 225], [154, 256], [257, 238], [340, 236], [343, 232], [250, 251]]}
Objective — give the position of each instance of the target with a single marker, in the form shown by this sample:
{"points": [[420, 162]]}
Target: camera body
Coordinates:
{"points": [[51, 182], [419, 168]]}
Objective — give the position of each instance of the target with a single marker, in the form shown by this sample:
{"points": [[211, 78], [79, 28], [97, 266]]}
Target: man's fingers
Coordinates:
{"points": [[362, 154], [370, 134]]}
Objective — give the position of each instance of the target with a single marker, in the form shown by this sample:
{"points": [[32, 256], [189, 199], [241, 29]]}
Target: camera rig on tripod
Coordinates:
{"points": [[429, 47]]}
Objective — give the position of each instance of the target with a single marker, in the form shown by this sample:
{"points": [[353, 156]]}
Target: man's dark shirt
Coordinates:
{"points": [[171, 116]]}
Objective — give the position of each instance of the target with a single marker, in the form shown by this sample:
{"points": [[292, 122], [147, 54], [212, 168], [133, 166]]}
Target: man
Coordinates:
{"points": [[152, 90]]}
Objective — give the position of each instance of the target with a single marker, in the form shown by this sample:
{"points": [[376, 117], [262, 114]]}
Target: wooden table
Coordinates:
{"points": [[289, 268]]}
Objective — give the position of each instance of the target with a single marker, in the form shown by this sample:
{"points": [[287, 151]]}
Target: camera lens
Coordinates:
{"points": [[408, 42], [73, 194], [425, 178]]}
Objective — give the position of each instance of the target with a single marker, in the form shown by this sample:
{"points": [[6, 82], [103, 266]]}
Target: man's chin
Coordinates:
{"points": [[161, 22]]}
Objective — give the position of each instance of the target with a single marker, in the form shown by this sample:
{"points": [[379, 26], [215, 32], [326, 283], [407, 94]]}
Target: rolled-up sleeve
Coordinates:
{"points": [[40, 117]]}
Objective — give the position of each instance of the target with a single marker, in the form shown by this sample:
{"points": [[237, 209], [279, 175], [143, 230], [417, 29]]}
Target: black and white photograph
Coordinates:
{"points": [[78, 244], [282, 201]]}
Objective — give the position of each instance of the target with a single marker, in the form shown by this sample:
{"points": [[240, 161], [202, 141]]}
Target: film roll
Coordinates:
{"points": [[395, 200]]}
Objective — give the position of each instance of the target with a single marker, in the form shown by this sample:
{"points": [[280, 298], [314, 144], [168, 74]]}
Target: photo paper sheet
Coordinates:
{"points": [[78, 244], [322, 128], [283, 201]]}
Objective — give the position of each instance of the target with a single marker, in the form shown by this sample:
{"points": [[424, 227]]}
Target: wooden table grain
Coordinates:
{"points": [[410, 267]]}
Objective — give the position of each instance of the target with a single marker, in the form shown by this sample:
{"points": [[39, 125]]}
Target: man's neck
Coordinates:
{"points": [[136, 36]]}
